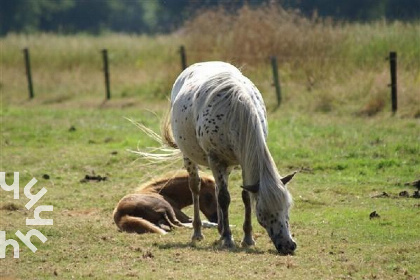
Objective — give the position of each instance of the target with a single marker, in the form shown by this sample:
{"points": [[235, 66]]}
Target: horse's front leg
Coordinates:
{"points": [[220, 173], [247, 227], [194, 185]]}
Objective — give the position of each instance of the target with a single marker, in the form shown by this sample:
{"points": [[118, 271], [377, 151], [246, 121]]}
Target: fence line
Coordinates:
{"points": [[106, 73], [28, 72], [276, 81], [393, 70], [183, 57]]}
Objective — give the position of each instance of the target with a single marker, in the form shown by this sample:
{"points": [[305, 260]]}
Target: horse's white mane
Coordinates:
{"points": [[256, 161]]}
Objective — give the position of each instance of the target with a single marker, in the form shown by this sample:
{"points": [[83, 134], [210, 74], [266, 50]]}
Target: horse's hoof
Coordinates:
{"points": [[248, 243], [197, 237], [227, 243]]}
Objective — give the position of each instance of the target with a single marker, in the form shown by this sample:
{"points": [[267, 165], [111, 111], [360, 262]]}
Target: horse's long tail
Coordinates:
{"points": [[167, 131], [167, 151], [135, 224]]}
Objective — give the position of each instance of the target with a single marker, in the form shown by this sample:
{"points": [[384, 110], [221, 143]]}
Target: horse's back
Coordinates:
{"points": [[205, 101], [200, 72]]}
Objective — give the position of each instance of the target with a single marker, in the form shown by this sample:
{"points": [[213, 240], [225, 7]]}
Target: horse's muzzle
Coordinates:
{"points": [[286, 249], [213, 218]]}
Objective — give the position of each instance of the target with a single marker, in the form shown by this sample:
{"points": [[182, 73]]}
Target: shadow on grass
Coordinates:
{"points": [[215, 247]]}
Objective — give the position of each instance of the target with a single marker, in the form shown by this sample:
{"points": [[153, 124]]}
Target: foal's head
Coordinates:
{"points": [[208, 202], [275, 218]]}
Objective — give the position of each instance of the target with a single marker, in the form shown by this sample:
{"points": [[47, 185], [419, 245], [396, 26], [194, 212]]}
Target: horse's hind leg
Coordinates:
{"points": [[194, 184], [171, 219], [181, 216], [220, 173], [247, 227]]}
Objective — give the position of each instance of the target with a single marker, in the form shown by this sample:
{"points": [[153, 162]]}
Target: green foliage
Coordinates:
{"points": [[137, 16]]}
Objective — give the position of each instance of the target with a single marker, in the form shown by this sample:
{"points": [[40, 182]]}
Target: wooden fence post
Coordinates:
{"points": [[276, 79], [28, 72], [393, 85], [183, 57], [106, 73]]}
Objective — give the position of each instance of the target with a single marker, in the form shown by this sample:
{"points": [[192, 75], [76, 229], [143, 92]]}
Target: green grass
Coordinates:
{"points": [[344, 161]]}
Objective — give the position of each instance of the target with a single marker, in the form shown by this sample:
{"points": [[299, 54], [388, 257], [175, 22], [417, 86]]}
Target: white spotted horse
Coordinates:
{"points": [[218, 119]]}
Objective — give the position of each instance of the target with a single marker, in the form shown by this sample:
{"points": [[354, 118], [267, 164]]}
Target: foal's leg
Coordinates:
{"points": [[220, 173], [194, 184], [248, 239]]}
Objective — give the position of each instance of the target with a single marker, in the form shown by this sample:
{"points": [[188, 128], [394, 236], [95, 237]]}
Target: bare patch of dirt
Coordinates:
{"points": [[97, 178], [383, 194], [414, 184], [374, 215], [10, 207], [402, 194], [148, 255]]}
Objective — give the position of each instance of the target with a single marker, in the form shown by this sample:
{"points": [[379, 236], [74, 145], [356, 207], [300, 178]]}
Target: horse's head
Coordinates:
{"points": [[208, 202], [275, 219]]}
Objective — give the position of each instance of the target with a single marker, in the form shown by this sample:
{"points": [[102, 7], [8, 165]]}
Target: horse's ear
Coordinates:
{"points": [[287, 178], [252, 188]]}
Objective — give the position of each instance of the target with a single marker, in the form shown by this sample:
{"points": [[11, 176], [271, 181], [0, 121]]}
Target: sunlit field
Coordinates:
{"points": [[334, 126]]}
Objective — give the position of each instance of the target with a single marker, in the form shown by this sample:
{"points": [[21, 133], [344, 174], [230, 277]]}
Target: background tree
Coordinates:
{"points": [[146, 16]]}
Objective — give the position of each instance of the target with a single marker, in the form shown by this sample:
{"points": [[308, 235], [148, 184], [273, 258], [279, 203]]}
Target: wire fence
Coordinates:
{"points": [[276, 78]]}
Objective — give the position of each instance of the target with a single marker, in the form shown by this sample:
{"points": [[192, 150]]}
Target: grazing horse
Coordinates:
{"points": [[156, 206], [218, 119]]}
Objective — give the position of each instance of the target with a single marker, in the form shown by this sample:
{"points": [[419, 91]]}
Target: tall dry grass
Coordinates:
{"points": [[324, 65], [251, 35]]}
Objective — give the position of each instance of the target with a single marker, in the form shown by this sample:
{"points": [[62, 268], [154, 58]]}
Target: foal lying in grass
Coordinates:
{"points": [[156, 206]]}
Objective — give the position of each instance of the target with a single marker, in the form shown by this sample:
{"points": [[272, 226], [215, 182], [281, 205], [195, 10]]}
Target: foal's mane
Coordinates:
{"points": [[166, 181]]}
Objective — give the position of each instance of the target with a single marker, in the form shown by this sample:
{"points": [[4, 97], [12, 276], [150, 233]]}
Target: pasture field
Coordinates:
{"points": [[334, 126], [344, 161]]}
